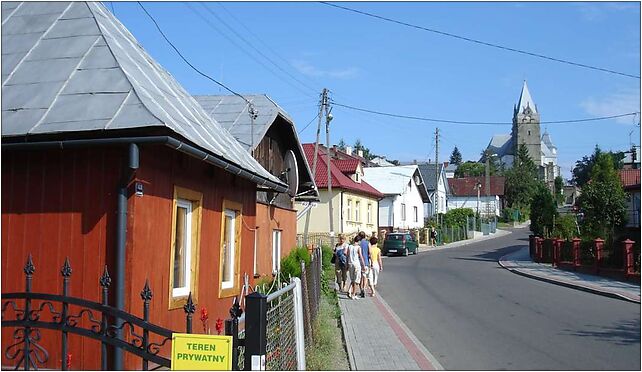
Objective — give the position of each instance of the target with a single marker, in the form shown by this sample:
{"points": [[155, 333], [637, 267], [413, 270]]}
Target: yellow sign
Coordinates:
{"points": [[196, 352]]}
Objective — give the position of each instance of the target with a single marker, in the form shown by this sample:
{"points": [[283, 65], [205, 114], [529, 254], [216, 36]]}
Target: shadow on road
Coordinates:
{"points": [[491, 256], [626, 332]]}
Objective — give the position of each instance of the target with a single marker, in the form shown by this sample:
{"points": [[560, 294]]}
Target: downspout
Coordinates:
{"points": [[341, 212], [121, 239]]}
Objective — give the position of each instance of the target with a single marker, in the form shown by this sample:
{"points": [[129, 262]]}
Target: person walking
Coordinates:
{"points": [[365, 260], [341, 263], [376, 264], [354, 266]]}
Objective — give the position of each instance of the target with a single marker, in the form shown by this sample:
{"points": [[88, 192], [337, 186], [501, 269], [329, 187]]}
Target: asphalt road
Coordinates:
{"points": [[472, 314]]}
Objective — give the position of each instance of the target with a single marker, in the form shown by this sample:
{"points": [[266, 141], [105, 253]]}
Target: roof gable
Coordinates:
{"points": [[73, 67], [394, 180]]}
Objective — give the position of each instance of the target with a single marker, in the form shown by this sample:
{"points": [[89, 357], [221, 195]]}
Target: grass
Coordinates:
{"points": [[327, 352]]}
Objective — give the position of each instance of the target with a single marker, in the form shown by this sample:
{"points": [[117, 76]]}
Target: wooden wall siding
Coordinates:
{"points": [[57, 204], [63, 203], [269, 218], [270, 153], [149, 234]]}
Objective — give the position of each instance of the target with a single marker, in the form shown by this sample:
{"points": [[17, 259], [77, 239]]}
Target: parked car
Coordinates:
{"points": [[399, 243]]}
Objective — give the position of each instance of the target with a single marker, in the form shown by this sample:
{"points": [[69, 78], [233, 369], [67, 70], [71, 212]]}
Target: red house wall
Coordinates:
{"points": [[63, 203], [270, 218]]}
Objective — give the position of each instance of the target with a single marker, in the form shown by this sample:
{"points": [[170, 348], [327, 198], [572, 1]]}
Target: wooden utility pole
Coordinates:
{"points": [[322, 103], [328, 119], [436, 172]]}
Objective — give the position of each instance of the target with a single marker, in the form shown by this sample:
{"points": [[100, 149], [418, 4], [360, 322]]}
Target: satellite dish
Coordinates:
{"points": [[291, 173]]}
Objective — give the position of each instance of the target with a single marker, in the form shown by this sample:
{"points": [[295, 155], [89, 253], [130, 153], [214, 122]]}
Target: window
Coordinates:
{"points": [[357, 211], [186, 218], [230, 249], [349, 214], [276, 250], [403, 212], [356, 177], [369, 216], [416, 210]]}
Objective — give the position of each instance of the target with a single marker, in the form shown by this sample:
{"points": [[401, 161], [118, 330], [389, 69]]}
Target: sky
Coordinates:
{"points": [[292, 50]]}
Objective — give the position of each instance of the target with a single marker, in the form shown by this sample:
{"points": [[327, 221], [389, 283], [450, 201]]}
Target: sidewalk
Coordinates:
{"points": [[520, 263], [497, 234]]}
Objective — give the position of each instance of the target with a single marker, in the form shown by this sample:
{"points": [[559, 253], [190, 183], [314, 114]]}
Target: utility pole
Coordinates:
{"points": [[322, 103], [487, 184], [328, 119], [436, 172]]}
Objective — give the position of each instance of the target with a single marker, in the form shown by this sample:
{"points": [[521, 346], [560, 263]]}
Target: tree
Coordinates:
{"points": [[366, 151], [342, 144], [455, 157], [495, 166], [470, 169], [603, 200], [559, 190], [521, 180], [543, 211], [582, 170]]}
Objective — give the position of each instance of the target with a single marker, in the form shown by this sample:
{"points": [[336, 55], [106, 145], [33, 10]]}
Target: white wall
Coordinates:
{"points": [[411, 198], [455, 202], [386, 209]]}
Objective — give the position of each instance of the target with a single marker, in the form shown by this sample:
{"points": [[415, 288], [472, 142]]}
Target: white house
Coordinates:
{"points": [[437, 187], [404, 196], [470, 192]]}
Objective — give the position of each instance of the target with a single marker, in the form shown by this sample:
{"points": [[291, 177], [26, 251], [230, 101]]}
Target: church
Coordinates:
{"points": [[526, 129]]}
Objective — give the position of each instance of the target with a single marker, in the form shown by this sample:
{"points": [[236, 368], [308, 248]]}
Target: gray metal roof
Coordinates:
{"points": [[71, 67], [231, 112], [394, 180], [428, 173]]}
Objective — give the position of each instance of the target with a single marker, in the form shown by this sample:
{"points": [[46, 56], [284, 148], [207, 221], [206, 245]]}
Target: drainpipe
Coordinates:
{"points": [[121, 240]]}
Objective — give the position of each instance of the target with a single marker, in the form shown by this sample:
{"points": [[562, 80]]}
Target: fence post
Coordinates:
{"points": [[298, 322], [66, 273], [538, 249], [105, 282], [531, 246], [255, 331], [306, 302], [628, 259], [29, 269], [146, 295], [576, 253], [599, 245], [557, 247], [189, 309]]}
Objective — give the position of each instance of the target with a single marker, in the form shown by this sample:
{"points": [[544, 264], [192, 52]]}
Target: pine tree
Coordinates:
{"points": [[455, 157], [521, 180]]}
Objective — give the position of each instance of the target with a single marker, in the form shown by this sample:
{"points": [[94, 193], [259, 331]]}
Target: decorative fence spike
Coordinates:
{"points": [[29, 267], [66, 269], [105, 280], [146, 294]]}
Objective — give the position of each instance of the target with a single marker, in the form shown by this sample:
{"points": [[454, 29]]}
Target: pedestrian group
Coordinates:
{"points": [[361, 258]]}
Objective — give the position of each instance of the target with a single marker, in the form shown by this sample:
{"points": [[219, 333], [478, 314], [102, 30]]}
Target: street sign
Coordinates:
{"points": [[201, 352]]}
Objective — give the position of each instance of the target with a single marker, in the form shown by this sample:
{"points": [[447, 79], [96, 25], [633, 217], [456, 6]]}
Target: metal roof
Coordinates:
{"points": [[429, 175], [525, 99], [394, 180], [231, 112], [70, 67]]}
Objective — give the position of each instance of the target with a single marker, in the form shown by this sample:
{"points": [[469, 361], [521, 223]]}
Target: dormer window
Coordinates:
{"points": [[356, 177]]}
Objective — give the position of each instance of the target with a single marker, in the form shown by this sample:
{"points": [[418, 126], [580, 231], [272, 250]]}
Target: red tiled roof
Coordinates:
{"points": [[347, 166], [630, 178], [339, 180], [467, 186]]}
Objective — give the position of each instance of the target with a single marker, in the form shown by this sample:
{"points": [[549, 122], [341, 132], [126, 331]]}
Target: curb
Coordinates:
{"points": [[349, 351], [427, 354], [502, 262]]}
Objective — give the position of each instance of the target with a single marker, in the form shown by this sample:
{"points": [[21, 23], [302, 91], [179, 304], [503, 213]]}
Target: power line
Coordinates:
{"points": [[231, 29], [268, 47], [410, 117], [308, 124], [480, 42], [186, 61]]}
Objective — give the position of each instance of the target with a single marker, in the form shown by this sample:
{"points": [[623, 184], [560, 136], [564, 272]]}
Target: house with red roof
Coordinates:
{"points": [[355, 203], [470, 192], [630, 179]]}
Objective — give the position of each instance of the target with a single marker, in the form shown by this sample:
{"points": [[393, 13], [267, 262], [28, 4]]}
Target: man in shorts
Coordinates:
{"points": [[365, 262]]}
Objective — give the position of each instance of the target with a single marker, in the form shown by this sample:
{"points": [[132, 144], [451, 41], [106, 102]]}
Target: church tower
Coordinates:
{"points": [[526, 126]]}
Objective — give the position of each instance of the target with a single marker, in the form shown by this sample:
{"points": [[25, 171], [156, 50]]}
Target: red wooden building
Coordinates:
{"points": [[108, 161]]}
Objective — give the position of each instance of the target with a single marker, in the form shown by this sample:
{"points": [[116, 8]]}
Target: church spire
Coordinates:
{"points": [[525, 100]]}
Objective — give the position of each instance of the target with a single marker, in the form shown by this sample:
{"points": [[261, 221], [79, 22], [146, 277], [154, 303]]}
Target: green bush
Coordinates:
{"points": [[291, 264], [458, 216], [326, 256], [565, 227]]}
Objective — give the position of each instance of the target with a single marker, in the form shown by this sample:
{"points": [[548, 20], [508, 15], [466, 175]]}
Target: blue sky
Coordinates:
{"points": [[382, 66]]}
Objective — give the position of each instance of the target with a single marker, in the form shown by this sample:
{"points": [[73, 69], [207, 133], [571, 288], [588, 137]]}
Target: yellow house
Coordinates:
{"points": [[355, 203]]}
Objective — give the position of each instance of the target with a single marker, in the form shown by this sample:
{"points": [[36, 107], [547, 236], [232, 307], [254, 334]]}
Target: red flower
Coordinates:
{"points": [[219, 325]]}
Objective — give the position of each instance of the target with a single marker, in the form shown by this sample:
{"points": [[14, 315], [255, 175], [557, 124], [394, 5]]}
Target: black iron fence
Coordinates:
{"points": [[28, 312]]}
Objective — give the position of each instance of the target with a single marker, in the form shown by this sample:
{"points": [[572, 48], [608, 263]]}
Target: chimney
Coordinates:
{"points": [[360, 153], [348, 150], [414, 162]]}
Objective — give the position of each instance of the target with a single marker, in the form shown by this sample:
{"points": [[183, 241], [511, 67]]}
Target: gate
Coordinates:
{"points": [[107, 328]]}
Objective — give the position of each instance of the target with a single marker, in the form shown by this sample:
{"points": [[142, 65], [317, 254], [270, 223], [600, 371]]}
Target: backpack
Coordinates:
{"points": [[343, 260]]}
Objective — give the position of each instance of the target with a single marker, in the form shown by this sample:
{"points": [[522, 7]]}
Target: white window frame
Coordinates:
{"points": [[184, 291], [403, 211], [349, 209], [225, 284], [416, 213], [276, 251], [369, 213], [357, 211]]}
